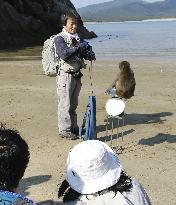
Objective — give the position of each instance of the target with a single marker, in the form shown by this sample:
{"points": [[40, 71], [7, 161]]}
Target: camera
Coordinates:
{"points": [[87, 52], [85, 49]]}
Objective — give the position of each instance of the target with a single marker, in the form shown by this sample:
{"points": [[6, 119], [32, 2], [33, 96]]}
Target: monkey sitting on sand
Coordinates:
{"points": [[124, 82]]}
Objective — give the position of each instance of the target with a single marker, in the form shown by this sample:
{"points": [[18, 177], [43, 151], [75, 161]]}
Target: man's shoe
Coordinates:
{"points": [[75, 130], [68, 135]]}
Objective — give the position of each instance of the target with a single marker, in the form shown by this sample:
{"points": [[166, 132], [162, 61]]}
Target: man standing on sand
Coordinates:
{"points": [[70, 52]]}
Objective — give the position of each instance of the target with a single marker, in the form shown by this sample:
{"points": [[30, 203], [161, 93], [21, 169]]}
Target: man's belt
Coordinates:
{"points": [[72, 72], [76, 74]]}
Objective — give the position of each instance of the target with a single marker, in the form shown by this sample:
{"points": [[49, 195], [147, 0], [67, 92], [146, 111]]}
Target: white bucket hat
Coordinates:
{"points": [[92, 166]]}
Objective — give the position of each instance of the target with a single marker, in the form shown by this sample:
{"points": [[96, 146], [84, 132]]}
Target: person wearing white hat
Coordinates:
{"points": [[95, 176]]}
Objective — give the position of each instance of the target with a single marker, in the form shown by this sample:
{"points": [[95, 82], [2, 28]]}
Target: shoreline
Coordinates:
{"points": [[137, 21], [20, 58], [99, 58]]}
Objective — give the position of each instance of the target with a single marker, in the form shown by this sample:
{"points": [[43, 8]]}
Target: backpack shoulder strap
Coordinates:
{"points": [[65, 37]]}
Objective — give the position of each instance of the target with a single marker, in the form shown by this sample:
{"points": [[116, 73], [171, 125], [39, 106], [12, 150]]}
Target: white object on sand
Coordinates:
{"points": [[115, 107]]}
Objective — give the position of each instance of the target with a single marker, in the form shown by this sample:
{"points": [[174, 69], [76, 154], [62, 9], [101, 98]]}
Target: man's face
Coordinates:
{"points": [[71, 25]]}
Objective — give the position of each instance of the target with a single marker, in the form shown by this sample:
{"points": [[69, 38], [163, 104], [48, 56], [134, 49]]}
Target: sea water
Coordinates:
{"points": [[152, 39]]}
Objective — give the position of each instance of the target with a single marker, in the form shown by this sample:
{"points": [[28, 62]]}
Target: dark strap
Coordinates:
{"points": [[72, 72], [131, 203], [90, 76]]}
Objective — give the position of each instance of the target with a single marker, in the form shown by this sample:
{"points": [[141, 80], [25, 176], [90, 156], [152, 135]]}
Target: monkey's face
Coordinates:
{"points": [[124, 66]]}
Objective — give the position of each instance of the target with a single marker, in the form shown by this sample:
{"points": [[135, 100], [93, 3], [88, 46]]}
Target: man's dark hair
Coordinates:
{"points": [[65, 16], [14, 157]]}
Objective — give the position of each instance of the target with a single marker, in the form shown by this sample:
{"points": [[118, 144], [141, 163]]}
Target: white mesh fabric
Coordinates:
{"points": [[48, 57]]}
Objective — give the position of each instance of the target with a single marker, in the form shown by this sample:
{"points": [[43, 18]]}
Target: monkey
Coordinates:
{"points": [[125, 82]]}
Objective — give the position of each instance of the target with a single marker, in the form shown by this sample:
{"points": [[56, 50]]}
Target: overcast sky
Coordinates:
{"points": [[82, 3]]}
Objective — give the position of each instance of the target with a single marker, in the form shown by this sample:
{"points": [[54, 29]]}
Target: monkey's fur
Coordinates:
{"points": [[125, 82]]}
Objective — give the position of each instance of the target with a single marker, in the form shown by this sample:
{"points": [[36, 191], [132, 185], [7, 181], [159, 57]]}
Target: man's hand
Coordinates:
{"points": [[91, 56], [83, 45], [86, 51]]}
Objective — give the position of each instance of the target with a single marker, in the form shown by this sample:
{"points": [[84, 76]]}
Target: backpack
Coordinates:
{"points": [[49, 61]]}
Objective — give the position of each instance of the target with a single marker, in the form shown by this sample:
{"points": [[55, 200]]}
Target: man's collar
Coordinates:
{"points": [[71, 36]]}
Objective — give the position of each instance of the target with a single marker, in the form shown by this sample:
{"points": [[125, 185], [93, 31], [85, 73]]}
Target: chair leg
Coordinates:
{"points": [[107, 121], [112, 131], [117, 136]]}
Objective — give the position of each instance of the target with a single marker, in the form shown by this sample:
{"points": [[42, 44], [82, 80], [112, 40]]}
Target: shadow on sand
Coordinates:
{"points": [[49, 202], [30, 181], [158, 139], [114, 136], [135, 118]]}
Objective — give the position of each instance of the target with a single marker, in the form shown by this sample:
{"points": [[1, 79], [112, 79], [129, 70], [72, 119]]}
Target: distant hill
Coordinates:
{"points": [[123, 10]]}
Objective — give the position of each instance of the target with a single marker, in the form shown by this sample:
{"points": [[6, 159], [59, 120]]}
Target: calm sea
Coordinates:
{"points": [[135, 40]]}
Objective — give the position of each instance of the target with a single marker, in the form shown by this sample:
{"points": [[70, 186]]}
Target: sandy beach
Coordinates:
{"points": [[29, 104]]}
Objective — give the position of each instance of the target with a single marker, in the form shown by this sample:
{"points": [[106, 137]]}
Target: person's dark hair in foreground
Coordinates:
{"points": [[14, 158], [95, 176], [124, 184]]}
